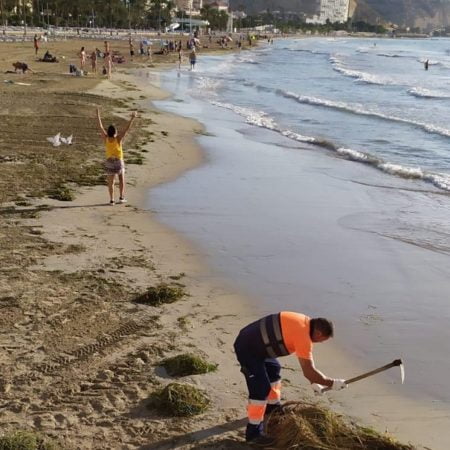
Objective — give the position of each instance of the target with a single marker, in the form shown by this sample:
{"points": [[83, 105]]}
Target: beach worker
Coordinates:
{"points": [[192, 58], [426, 64], [36, 44], [94, 61], [82, 56], [257, 348], [114, 164]]}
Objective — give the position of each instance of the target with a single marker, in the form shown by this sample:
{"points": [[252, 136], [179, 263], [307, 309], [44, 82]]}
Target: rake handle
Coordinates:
{"points": [[395, 363]]}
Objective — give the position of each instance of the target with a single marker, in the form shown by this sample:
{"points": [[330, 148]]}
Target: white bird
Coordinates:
{"points": [[55, 140], [67, 140]]}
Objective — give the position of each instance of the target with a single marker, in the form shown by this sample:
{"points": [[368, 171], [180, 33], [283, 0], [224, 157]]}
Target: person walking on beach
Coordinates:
{"points": [[192, 58], [257, 348], [36, 44], [114, 164]]}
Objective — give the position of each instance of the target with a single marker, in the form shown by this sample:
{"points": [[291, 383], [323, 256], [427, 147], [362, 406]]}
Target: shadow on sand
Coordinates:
{"points": [[196, 436]]}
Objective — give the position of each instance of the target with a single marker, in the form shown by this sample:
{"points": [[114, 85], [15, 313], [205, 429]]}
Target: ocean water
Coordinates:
{"points": [[368, 100], [324, 190]]}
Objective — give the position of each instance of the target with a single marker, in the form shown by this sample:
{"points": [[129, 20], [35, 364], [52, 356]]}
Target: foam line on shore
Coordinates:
{"points": [[263, 120]]}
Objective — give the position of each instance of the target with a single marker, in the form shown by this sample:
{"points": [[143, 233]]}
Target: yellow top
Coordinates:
{"points": [[113, 148]]}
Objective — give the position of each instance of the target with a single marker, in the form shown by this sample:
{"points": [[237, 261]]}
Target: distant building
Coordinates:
{"points": [[221, 5], [332, 10], [192, 7]]}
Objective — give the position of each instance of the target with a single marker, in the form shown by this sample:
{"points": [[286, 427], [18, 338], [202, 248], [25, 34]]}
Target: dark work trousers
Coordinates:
{"points": [[259, 370]]}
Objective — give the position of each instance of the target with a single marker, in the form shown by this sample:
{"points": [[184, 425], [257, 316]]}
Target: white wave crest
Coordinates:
{"points": [[427, 93], [431, 62], [364, 77], [354, 155], [360, 110], [251, 116], [440, 180], [296, 136], [403, 171], [261, 119]]}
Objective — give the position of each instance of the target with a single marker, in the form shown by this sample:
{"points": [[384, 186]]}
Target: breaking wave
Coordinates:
{"points": [[427, 93], [363, 77], [359, 110], [263, 120]]}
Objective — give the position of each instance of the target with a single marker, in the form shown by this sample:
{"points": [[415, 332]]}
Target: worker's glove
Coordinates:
{"points": [[338, 384], [318, 388]]}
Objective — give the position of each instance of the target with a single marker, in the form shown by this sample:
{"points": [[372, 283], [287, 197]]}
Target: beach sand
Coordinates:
{"points": [[79, 358]]}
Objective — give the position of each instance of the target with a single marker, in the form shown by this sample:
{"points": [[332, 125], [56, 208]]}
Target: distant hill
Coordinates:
{"points": [[413, 13], [419, 13]]}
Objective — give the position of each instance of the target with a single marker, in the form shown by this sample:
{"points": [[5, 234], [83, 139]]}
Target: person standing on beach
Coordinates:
{"points": [[114, 164], [192, 58], [94, 61], [36, 44], [82, 56], [130, 42], [257, 348], [180, 57], [427, 62], [108, 65]]}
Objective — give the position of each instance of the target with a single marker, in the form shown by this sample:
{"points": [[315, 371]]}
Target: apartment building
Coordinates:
{"points": [[186, 5], [332, 10]]}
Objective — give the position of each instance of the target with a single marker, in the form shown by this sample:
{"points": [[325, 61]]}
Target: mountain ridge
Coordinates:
{"points": [[425, 14]]}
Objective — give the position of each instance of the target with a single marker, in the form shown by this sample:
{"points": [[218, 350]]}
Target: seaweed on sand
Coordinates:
{"points": [[160, 294], [25, 440], [180, 400], [307, 427], [187, 364]]}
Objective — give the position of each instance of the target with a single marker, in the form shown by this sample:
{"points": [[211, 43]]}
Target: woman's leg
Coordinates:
{"points": [[110, 179], [122, 184]]}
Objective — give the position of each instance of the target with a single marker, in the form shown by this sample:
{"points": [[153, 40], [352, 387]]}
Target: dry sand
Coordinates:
{"points": [[79, 358]]}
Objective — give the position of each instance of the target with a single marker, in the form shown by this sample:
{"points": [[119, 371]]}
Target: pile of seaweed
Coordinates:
{"points": [[307, 427]]}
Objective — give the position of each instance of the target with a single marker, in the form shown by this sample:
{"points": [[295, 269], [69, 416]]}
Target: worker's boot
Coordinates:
{"points": [[253, 432], [254, 435]]}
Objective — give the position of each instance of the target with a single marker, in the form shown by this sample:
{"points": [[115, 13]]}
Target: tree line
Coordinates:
{"points": [[146, 14], [88, 13]]}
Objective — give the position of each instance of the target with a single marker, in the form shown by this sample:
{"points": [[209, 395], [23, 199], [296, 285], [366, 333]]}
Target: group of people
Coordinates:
{"points": [[94, 57]]}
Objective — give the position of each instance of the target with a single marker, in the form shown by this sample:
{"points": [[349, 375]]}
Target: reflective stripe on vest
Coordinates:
{"points": [[270, 327]]}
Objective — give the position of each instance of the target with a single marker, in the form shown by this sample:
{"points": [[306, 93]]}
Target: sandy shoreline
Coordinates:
{"points": [[100, 402]]}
